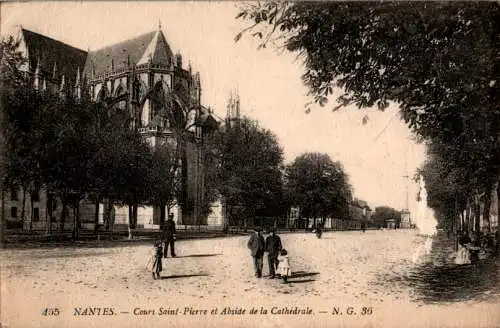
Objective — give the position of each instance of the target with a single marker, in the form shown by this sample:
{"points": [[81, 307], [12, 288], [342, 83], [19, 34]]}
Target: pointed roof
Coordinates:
{"points": [[135, 51], [158, 51], [49, 53]]}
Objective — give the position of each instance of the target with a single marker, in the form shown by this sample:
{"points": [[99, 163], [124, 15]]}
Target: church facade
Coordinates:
{"points": [[143, 77]]}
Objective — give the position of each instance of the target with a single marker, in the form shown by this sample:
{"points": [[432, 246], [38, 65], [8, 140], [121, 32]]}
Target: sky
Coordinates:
{"points": [[377, 156]]}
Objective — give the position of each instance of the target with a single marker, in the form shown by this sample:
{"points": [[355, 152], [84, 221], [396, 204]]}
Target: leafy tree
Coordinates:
{"points": [[250, 160], [438, 61], [165, 181], [11, 61], [384, 213], [211, 170], [319, 186]]}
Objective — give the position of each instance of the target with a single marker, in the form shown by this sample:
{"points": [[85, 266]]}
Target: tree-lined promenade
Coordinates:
{"points": [[341, 270], [438, 61], [76, 149]]}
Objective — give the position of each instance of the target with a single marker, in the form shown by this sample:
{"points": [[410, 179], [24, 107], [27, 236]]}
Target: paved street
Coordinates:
{"points": [[387, 272]]}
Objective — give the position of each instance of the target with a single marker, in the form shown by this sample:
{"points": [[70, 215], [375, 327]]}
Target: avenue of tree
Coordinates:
{"points": [[82, 150], [439, 61]]}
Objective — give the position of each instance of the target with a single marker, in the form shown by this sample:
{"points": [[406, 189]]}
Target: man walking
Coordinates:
{"points": [[169, 235], [256, 244], [273, 248]]}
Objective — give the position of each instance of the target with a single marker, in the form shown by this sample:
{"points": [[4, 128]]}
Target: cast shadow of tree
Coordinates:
{"points": [[198, 255], [448, 283], [176, 276]]}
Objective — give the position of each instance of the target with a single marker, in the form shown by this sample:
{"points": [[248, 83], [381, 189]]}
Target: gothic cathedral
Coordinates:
{"points": [[144, 77]]}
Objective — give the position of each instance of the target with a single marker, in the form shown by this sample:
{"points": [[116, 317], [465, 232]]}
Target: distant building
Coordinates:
{"points": [[405, 219]]}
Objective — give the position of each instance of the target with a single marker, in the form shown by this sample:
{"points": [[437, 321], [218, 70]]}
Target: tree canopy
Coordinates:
{"points": [[439, 61], [249, 172], [319, 186]]}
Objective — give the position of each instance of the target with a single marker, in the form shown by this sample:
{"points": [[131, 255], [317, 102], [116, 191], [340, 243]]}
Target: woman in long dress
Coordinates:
{"points": [[463, 253]]}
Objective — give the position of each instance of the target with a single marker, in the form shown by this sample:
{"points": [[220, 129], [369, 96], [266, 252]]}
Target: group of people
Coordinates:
{"points": [[469, 247], [161, 246], [277, 256]]}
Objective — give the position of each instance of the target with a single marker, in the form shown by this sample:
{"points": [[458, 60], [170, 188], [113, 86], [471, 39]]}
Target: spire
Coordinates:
{"points": [[78, 89], [233, 106], [37, 75], [112, 65], [159, 25], [61, 88], [54, 71], [77, 82]]}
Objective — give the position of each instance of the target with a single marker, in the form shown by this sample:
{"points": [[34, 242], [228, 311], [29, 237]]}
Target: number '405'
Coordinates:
{"points": [[50, 311]]}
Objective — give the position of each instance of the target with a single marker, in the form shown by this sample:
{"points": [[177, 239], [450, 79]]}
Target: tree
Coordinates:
{"points": [[250, 160], [11, 61], [165, 181], [318, 186], [384, 213], [438, 61]]}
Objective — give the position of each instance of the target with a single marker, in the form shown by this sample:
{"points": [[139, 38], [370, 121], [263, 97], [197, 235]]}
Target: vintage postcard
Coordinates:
{"points": [[249, 164]]}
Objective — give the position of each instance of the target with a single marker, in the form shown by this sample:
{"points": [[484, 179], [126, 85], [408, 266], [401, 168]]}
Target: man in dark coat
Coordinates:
{"points": [[169, 235], [273, 248], [256, 244]]}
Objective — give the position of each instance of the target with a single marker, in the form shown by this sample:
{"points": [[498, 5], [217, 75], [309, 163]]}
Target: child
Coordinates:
{"points": [[157, 256], [284, 266]]}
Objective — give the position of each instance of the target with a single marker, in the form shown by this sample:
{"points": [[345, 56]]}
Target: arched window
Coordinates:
{"points": [[120, 92]]}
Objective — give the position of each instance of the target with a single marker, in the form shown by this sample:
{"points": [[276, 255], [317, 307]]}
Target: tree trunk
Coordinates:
{"points": [[487, 205], [498, 217], [108, 207], [162, 215], [134, 209], [76, 220], [77, 217], [96, 213], [110, 217], [2, 219], [32, 206], [23, 205], [48, 206], [467, 214], [477, 214], [63, 215], [130, 220]]}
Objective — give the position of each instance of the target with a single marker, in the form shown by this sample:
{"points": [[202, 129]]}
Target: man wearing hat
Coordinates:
{"points": [[273, 247], [256, 244], [169, 235]]}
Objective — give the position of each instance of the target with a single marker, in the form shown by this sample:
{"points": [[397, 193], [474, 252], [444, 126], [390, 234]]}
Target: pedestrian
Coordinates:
{"points": [[273, 247], [157, 255], [256, 244], [284, 269], [169, 236]]}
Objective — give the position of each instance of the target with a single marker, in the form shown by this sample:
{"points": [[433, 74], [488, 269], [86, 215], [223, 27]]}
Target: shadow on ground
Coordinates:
{"points": [[175, 276], [440, 280], [302, 274], [198, 255], [300, 281], [68, 255]]}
